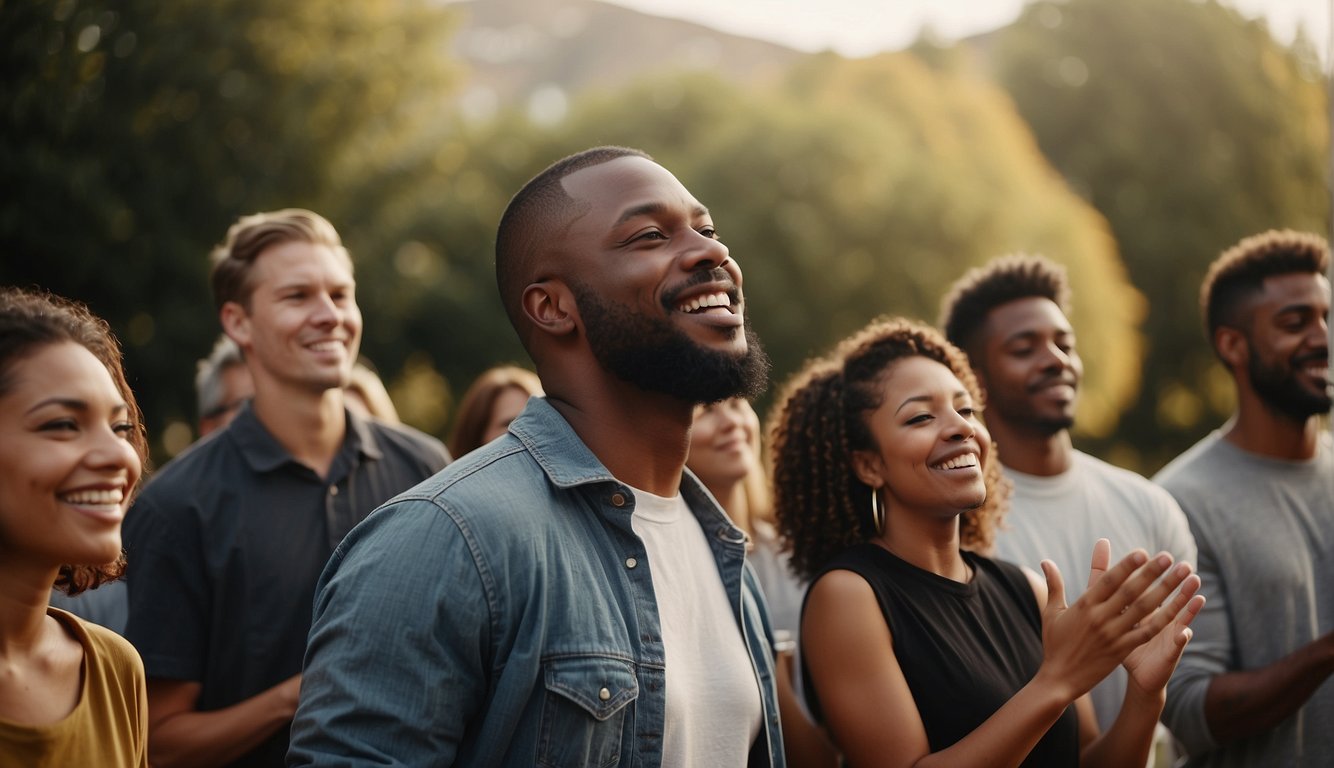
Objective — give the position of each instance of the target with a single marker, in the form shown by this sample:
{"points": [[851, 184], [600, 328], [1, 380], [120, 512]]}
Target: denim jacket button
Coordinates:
{"points": [[618, 500], [604, 694], [630, 562]]}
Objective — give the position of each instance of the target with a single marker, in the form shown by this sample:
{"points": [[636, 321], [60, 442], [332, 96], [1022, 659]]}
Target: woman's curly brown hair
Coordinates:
{"points": [[29, 321], [821, 506]]}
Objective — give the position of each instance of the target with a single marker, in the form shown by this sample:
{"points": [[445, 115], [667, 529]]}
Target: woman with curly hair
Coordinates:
{"points": [[72, 449], [916, 650]]}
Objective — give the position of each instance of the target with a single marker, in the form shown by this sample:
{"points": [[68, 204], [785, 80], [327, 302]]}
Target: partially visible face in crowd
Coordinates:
{"points": [[509, 403], [1030, 368], [660, 298], [303, 328], [237, 387], [931, 446], [67, 466], [1288, 344], [722, 442]]}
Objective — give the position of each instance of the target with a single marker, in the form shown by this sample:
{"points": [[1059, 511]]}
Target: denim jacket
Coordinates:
{"points": [[502, 614]]}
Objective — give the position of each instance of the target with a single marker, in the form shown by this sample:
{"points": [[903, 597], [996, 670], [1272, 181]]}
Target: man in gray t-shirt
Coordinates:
{"points": [[1010, 317], [1253, 686]]}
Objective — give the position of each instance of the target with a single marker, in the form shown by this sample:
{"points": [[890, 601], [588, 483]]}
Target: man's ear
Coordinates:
{"points": [[549, 305], [236, 324], [1232, 346], [869, 468]]}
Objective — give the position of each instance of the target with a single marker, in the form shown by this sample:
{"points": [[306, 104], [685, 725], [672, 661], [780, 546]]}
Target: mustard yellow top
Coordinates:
{"points": [[109, 725]]}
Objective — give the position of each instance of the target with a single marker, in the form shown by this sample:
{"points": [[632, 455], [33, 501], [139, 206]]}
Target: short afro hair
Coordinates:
{"points": [[1238, 275], [1002, 280]]}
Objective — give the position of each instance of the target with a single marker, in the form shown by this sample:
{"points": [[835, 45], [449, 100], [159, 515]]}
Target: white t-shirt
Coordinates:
{"points": [[714, 711]]}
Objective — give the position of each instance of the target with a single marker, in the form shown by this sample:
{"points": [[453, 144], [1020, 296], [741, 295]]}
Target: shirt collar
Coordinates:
{"points": [[568, 462], [264, 453], [555, 446]]}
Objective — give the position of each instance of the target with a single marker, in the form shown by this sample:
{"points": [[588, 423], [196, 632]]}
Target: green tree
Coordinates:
{"points": [[851, 189], [1189, 128], [137, 131]]}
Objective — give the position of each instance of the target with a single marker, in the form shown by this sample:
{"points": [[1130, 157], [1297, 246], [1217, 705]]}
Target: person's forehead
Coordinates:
{"points": [[1026, 315], [624, 184], [298, 259], [1279, 291], [915, 369]]}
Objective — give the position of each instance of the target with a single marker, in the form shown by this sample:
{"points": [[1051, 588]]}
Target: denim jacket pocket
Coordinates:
{"points": [[587, 714]]}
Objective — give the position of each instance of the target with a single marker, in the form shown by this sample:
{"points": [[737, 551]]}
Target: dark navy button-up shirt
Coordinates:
{"points": [[225, 545]]}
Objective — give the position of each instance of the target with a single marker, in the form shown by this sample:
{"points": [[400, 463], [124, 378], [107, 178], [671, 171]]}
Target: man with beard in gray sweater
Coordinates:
{"points": [[1253, 687]]}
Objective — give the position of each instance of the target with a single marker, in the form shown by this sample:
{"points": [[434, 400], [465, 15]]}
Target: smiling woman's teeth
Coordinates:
{"points": [[703, 302], [958, 462], [94, 497]]}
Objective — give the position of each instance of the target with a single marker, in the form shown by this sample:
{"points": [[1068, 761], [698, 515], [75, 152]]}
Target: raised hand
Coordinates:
{"points": [[1151, 665], [1084, 642]]}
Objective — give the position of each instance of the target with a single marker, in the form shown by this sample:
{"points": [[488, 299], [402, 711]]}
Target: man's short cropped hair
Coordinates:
{"points": [[530, 218], [1002, 280], [234, 258], [1238, 275]]}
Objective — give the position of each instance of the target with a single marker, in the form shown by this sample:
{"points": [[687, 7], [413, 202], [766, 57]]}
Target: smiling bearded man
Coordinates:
{"points": [[574, 596], [1253, 689]]}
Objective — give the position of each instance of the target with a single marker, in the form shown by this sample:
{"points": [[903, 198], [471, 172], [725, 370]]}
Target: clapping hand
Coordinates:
{"points": [[1121, 611], [1151, 663]]}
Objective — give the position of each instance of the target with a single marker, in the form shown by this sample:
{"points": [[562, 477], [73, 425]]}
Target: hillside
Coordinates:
{"points": [[531, 52]]}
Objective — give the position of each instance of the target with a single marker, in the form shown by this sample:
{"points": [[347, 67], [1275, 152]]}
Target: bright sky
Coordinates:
{"points": [[863, 27]]}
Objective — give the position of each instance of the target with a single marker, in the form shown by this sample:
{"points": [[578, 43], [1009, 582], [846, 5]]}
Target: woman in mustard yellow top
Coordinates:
{"points": [[72, 449]]}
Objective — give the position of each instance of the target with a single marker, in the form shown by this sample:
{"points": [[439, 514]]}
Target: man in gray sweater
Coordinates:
{"points": [[1253, 687]]}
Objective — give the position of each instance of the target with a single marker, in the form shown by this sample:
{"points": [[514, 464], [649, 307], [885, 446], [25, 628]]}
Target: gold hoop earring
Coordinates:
{"points": [[877, 512]]}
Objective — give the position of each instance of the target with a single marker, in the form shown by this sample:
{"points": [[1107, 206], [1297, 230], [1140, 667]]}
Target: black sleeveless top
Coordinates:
{"points": [[965, 649]]}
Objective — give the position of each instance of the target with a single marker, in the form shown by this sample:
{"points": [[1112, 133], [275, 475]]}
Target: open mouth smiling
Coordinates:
{"points": [[706, 302], [1315, 366], [962, 461], [94, 497]]}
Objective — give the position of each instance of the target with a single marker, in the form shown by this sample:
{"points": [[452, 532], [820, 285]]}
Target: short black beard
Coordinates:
{"points": [[1277, 386], [655, 356], [1051, 427]]}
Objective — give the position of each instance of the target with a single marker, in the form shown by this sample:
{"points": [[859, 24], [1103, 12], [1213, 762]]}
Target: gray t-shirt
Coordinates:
{"points": [[1059, 518], [1265, 529]]}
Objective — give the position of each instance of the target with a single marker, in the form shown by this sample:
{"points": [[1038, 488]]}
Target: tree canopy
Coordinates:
{"points": [[1189, 128], [137, 131], [851, 189], [1105, 134]]}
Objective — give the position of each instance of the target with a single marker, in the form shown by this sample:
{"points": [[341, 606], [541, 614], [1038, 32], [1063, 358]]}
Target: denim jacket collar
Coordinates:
{"points": [[568, 462]]}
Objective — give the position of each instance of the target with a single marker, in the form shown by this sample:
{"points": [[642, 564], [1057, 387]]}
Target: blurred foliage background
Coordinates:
{"points": [[1131, 140]]}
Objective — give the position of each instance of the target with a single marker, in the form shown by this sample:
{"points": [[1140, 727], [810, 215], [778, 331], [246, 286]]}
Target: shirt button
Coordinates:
{"points": [[618, 500], [630, 562], [333, 490], [604, 694]]}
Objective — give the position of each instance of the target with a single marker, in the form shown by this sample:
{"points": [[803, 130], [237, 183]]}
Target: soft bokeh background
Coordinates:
{"points": [[1131, 140]]}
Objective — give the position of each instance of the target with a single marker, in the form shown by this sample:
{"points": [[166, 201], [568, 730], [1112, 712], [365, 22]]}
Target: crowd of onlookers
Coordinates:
{"points": [[614, 563]]}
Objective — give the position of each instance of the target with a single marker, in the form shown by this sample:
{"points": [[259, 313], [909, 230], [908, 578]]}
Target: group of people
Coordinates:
{"points": [[606, 574]]}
